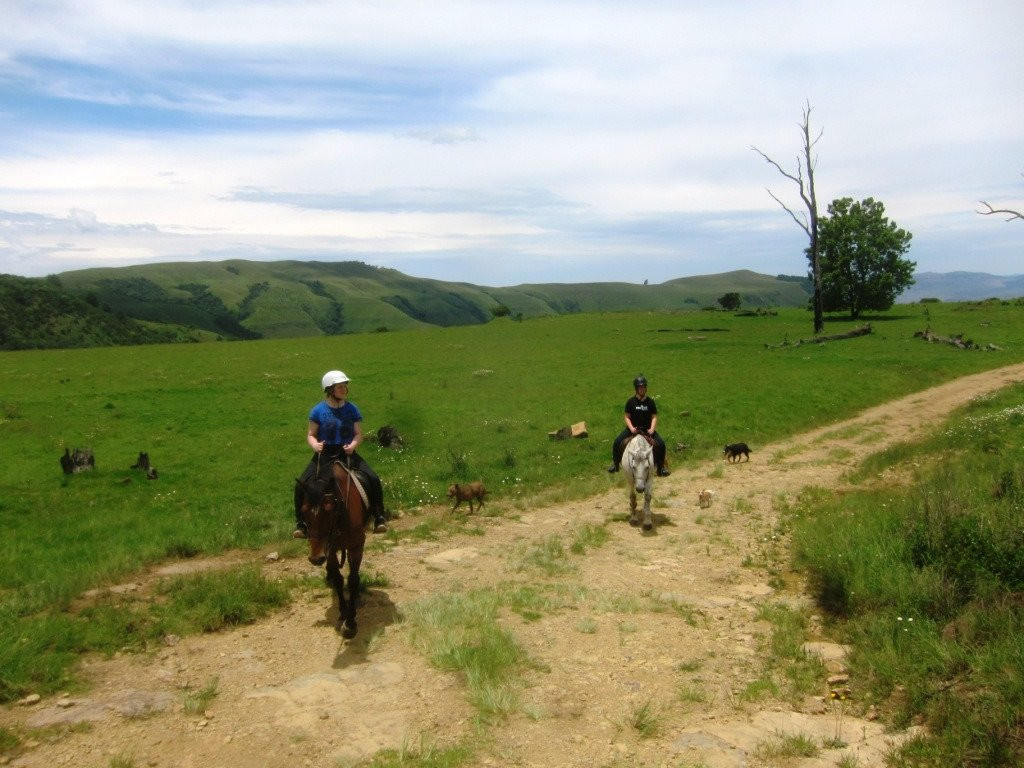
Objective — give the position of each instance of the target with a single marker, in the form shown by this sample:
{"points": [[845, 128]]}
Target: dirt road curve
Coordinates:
{"points": [[666, 620]]}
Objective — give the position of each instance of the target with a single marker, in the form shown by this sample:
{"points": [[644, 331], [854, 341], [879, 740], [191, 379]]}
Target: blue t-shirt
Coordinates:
{"points": [[336, 425]]}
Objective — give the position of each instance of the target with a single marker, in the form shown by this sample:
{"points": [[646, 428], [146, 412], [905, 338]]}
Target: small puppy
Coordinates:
{"points": [[733, 451], [704, 497], [467, 492]]}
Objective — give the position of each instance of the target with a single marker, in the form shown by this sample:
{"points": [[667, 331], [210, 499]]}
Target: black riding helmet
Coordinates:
{"points": [[639, 381]]}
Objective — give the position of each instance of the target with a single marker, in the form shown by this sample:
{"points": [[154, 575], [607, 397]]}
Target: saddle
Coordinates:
{"points": [[625, 441], [359, 479]]}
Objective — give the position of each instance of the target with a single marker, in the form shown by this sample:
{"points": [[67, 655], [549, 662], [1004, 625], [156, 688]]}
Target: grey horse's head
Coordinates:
{"points": [[639, 462]]}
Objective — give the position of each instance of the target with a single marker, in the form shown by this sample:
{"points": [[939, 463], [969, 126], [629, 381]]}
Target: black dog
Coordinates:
{"points": [[733, 451]]}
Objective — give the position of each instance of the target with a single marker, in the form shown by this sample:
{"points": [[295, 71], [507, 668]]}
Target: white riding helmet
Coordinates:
{"points": [[333, 377]]}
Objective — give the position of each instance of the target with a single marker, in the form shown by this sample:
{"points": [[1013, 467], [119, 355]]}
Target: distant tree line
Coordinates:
{"points": [[41, 314]]}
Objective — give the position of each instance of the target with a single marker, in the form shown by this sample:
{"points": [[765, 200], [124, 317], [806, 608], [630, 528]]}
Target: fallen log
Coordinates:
{"points": [[957, 341], [864, 330]]}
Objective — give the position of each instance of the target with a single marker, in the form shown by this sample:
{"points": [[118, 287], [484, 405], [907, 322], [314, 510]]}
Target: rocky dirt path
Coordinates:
{"points": [[664, 623]]}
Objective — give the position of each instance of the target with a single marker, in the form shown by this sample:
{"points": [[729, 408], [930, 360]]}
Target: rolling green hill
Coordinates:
{"points": [[247, 299], [40, 314]]}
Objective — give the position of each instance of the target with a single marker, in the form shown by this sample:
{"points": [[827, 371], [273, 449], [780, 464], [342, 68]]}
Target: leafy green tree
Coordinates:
{"points": [[862, 264], [730, 301]]}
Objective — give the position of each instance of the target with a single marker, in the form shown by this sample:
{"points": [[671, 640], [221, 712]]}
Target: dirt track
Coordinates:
{"points": [[648, 616]]}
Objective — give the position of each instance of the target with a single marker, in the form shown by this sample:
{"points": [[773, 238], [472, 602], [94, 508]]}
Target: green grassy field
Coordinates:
{"points": [[926, 582], [224, 425]]}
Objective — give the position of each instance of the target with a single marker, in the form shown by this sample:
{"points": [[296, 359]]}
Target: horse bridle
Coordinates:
{"points": [[330, 494], [650, 442]]}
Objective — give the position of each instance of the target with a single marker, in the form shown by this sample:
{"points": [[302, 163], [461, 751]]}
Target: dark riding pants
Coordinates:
{"points": [[321, 465], [619, 447]]}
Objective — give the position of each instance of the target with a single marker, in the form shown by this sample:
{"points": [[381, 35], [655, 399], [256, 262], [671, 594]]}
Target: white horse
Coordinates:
{"points": [[638, 465]]}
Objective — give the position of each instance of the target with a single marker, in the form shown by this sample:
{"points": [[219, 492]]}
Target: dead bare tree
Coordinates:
{"points": [[807, 222], [1005, 211]]}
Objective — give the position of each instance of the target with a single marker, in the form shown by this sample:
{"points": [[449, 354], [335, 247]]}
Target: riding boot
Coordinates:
{"points": [[300, 531], [380, 521], [618, 448], [663, 472]]}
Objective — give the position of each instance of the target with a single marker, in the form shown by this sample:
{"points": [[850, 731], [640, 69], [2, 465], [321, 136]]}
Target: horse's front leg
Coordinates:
{"points": [[335, 579], [634, 518], [355, 559], [648, 522]]}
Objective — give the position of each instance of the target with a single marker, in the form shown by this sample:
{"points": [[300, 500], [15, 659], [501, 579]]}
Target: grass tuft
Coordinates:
{"points": [[589, 536], [460, 633], [645, 719], [197, 702]]}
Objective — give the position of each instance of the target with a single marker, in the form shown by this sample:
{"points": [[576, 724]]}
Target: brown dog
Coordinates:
{"points": [[467, 492]]}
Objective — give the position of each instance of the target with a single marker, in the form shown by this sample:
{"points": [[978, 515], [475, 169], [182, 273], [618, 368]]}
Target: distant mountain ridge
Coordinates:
{"points": [[241, 299], [963, 286]]}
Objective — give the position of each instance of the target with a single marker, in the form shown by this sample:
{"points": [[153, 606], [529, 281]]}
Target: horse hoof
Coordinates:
{"points": [[634, 521], [348, 632], [648, 526]]}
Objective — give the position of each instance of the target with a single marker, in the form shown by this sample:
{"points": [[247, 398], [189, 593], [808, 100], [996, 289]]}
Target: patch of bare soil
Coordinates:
{"points": [[663, 624]]}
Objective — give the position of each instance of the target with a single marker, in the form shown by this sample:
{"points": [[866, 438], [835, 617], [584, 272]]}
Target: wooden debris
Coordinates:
{"points": [[863, 330], [388, 436], [957, 341], [78, 461], [579, 429], [143, 464]]}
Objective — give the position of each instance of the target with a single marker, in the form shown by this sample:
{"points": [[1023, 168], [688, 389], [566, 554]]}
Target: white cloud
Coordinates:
{"points": [[549, 138]]}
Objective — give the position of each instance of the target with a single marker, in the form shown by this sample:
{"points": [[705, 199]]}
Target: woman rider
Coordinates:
{"points": [[641, 416], [335, 431]]}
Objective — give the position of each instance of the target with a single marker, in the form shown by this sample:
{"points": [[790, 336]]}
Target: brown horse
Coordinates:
{"points": [[336, 516]]}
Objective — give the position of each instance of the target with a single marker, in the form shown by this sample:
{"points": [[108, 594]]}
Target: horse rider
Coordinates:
{"points": [[641, 417], [335, 431]]}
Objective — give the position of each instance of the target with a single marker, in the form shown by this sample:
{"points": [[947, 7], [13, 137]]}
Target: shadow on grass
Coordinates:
{"points": [[846, 319]]}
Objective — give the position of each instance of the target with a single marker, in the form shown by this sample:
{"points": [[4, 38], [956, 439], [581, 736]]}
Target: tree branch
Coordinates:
{"points": [[801, 223], [1013, 214]]}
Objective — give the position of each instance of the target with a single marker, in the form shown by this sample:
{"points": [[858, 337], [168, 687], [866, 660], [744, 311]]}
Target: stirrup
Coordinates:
{"points": [[380, 525], [299, 533]]}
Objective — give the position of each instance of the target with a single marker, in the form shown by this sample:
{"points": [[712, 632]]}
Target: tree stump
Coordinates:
{"points": [[78, 461], [388, 436]]}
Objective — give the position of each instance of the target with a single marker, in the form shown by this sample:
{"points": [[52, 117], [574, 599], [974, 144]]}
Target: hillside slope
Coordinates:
{"points": [[963, 286], [247, 299], [40, 314]]}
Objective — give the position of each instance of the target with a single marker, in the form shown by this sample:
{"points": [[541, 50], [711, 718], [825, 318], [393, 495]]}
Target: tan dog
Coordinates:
{"points": [[704, 497], [467, 492]]}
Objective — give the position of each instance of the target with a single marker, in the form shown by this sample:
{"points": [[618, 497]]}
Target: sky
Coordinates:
{"points": [[502, 143]]}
